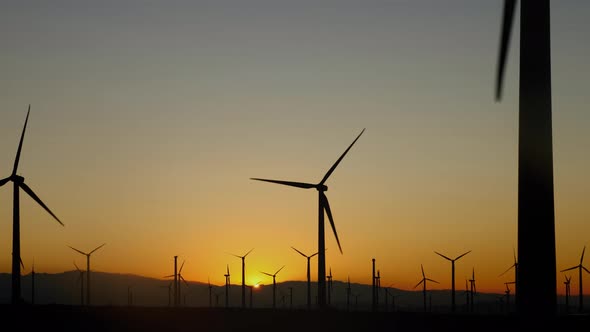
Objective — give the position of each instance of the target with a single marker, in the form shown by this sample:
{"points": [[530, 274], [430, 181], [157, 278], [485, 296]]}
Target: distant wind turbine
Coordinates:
{"points": [[274, 285], [308, 276], [473, 290], [348, 290], [567, 293], [243, 258], [323, 206], [19, 183], [423, 282], [507, 292], [580, 267], [515, 266], [81, 280], [88, 269], [329, 277], [227, 283], [452, 260]]}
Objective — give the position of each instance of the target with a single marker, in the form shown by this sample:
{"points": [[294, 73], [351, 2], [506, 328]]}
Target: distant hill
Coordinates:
{"points": [[112, 289]]}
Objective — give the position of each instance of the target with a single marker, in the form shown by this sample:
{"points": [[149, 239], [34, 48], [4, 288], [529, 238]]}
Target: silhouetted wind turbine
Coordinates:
{"points": [[81, 279], [323, 206], [179, 279], [507, 292], [227, 283], [580, 267], [243, 258], [88, 269], [537, 293], [274, 285], [308, 276], [329, 277], [452, 260], [567, 293], [515, 266], [348, 289], [473, 290], [169, 287], [423, 282], [19, 183], [210, 290]]}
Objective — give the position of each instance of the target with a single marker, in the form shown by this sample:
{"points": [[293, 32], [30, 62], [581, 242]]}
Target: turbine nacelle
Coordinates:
{"points": [[321, 187], [17, 179]]}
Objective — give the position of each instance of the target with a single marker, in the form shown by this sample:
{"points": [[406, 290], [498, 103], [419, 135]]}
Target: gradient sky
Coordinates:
{"points": [[149, 117]]}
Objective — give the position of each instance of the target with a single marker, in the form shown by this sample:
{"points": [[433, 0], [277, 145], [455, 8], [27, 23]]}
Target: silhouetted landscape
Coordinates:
{"points": [[57, 299]]}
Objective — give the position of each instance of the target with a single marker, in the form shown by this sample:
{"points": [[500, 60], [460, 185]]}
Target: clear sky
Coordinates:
{"points": [[149, 117]]}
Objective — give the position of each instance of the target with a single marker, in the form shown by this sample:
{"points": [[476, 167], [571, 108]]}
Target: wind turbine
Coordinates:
{"points": [[348, 295], [329, 277], [308, 275], [243, 258], [227, 283], [179, 279], [274, 285], [567, 293], [452, 260], [19, 183], [507, 292], [81, 279], [423, 282], [515, 266], [169, 287], [580, 267], [473, 290], [323, 206], [210, 290], [88, 269], [537, 293]]}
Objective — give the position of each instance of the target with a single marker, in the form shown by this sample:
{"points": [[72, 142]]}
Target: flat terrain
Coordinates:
{"points": [[74, 318]]}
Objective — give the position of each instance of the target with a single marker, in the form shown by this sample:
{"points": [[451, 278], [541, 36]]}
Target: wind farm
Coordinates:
{"points": [[436, 126]]}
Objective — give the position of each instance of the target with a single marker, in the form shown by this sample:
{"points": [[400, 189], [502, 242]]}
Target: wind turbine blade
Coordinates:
{"points": [[314, 254], [571, 268], [279, 270], [21, 263], [340, 159], [3, 181], [463, 255], [181, 266], [170, 276], [501, 274], [102, 245], [302, 254], [77, 268], [248, 252], [582, 258], [509, 6], [585, 269], [182, 278], [83, 253], [443, 256], [329, 213], [432, 280], [20, 144], [514, 253], [268, 274], [422, 268], [288, 183], [418, 284], [38, 200]]}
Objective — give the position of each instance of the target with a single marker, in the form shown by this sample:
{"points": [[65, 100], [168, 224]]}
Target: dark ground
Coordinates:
{"points": [[75, 318]]}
